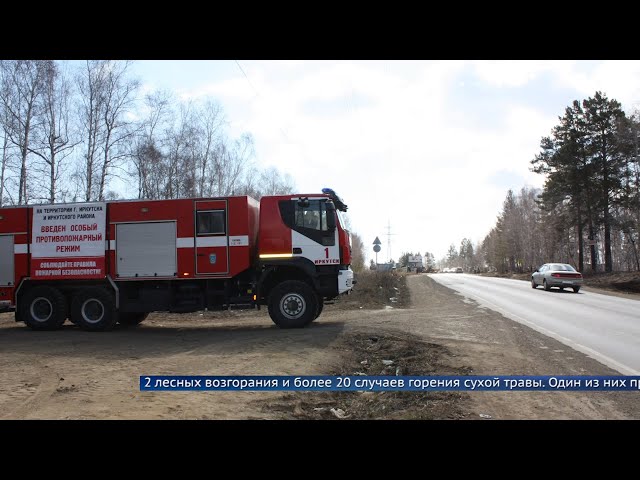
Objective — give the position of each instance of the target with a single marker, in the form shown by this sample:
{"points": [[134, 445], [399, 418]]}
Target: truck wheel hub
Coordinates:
{"points": [[92, 311], [41, 309], [293, 305]]}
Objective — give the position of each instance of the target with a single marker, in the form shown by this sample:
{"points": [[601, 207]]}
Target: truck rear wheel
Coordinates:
{"points": [[131, 319], [43, 308], [293, 304], [94, 309]]}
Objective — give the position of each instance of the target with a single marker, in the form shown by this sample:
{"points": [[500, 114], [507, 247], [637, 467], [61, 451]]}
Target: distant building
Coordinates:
{"points": [[385, 267], [415, 262]]}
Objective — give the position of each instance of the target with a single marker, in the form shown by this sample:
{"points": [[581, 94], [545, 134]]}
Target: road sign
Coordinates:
{"points": [[377, 242], [376, 248], [590, 242]]}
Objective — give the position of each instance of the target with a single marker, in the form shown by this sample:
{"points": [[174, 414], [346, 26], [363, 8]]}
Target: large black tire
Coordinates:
{"points": [[69, 301], [94, 309], [576, 289], [43, 308], [131, 319], [533, 283], [320, 306], [292, 304], [546, 285]]}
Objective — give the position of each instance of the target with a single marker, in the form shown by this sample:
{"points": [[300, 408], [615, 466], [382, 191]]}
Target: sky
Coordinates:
{"points": [[428, 147]]}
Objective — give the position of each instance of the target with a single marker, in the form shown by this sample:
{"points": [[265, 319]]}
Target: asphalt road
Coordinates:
{"points": [[604, 327]]}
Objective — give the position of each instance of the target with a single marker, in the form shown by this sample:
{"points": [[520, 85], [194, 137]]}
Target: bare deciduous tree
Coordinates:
{"points": [[180, 163], [91, 83], [53, 140], [5, 161], [167, 150], [191, 156], [22, 84], [120, 96], [273, 183], [212, 121], [107, 95], [357, 252], [147, 158]]}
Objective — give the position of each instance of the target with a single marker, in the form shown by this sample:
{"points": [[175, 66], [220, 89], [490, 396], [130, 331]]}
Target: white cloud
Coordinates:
{"points": [[234, 88], [512, 73], [619, 80], [383, 135]]}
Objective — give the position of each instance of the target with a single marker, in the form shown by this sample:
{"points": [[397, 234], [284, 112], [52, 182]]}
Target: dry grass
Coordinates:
{"points": [[366, 352], [375, 290]]}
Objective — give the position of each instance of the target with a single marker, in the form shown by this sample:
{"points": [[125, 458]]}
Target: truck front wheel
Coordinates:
{"points": [[319, 309], [43, 308], [293, 304], [94, 309]]}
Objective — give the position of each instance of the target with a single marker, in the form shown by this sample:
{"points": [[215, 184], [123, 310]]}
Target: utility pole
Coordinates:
{"points": [[389, 234]]}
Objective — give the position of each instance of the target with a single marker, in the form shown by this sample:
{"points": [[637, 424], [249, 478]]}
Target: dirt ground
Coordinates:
{"points": [[423, 327]]}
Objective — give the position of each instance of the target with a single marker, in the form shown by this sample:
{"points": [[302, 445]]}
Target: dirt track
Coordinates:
{"points": [[80, 375]]}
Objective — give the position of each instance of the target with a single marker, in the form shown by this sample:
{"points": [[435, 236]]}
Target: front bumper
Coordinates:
{"points": [[345, 280]]}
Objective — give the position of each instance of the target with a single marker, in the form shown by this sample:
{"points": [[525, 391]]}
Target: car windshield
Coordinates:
{"points": [[562, 267]]}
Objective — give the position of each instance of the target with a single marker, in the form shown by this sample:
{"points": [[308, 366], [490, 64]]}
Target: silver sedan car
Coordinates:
{"points": [[561, 275]]}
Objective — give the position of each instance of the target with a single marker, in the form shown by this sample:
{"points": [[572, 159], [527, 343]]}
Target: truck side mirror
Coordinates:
{"points": [[331, 216]]}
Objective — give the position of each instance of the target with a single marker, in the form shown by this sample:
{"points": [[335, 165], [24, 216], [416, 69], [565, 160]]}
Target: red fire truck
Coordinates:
{"points": [[102, 263]]}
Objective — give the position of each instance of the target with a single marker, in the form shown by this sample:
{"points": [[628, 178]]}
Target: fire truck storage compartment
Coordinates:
{"points": [[146, 249], [6, 260]]}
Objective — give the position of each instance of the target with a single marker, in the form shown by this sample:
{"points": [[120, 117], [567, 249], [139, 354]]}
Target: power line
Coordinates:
{"points": [[286, 137], [248, 81], [284, 134]]}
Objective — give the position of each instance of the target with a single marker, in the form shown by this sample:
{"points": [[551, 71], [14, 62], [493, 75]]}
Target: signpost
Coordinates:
{"points": [[376, 248]]}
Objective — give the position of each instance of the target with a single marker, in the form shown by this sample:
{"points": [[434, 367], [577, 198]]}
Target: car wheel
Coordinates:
{"points": [[533, 283], [546, 285], [576, 289]]}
